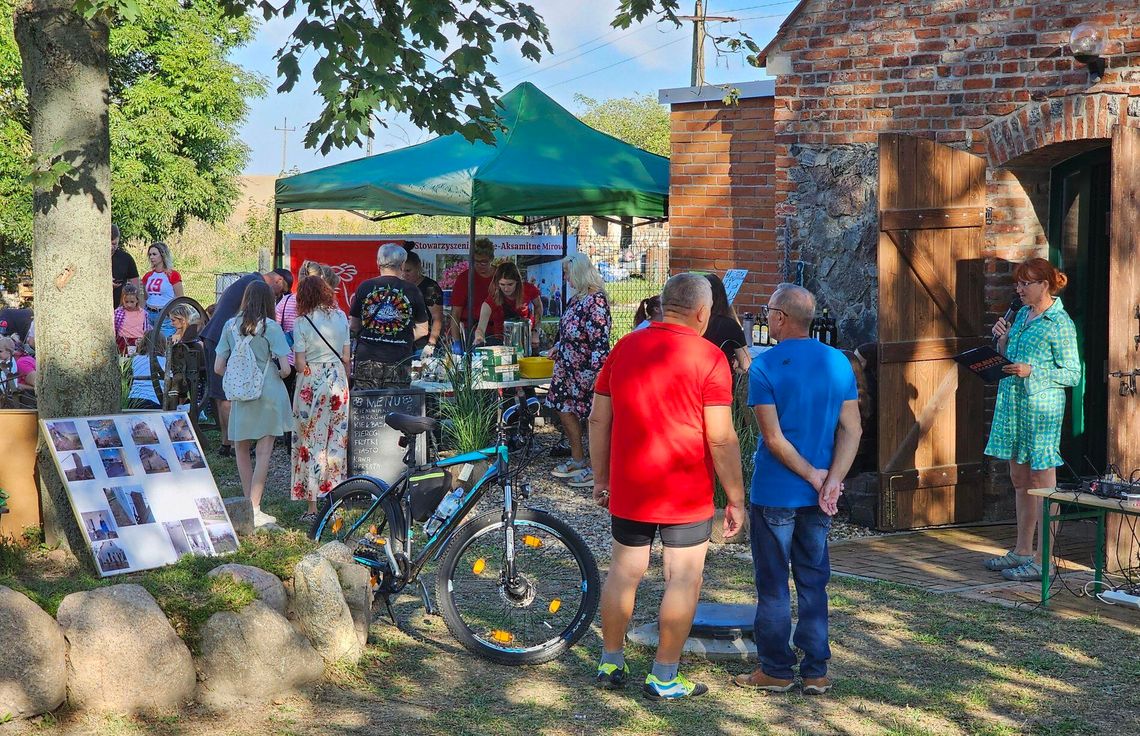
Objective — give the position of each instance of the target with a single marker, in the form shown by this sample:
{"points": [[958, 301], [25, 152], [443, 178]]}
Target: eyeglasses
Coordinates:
{"points": [[766, 311], [1027, 284]]}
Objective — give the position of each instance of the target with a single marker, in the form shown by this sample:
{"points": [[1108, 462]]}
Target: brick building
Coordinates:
{"points": [[918, 151]]}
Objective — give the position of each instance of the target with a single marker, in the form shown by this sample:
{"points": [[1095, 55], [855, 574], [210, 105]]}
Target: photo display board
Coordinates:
{"points": [[140, 489]]}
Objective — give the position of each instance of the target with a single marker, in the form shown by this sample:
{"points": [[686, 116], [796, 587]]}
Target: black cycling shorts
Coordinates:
{"points": [[641, 533]]}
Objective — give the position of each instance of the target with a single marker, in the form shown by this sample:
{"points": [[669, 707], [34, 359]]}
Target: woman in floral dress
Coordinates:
{"points": [[1042, 343], [582, 347], [320, 402]]}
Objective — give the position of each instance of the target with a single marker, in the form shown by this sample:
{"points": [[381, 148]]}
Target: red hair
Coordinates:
{"points": [[1039, 269], [314, 293]]}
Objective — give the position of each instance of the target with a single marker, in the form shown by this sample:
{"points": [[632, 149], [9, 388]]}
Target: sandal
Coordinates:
{"points": [[1008, 561], [308, 517], [570, 468], [1027, 573], [584, 478]]}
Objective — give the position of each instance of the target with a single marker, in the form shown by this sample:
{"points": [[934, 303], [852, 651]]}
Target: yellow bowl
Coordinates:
{"points": [[536, 367]]}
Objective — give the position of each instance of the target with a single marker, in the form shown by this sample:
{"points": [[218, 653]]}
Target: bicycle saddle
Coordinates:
{"points": [[410, 425]]}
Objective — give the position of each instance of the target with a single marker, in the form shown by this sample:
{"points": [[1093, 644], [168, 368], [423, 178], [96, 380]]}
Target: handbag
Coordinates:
{"points": [[326, 342]]}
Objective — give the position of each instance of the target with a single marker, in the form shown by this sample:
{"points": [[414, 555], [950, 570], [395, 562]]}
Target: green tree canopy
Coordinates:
{"points": [[176, 104], [639, 120]]}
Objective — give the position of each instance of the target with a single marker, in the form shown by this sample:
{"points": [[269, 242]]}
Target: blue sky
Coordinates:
{"points": [[590, 58]]}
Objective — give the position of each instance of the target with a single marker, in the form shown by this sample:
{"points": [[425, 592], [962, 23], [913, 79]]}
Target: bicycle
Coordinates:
{"points": [[516, 586]]}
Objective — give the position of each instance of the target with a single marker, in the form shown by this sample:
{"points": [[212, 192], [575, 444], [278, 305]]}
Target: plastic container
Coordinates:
{"points": [[536, 367]]}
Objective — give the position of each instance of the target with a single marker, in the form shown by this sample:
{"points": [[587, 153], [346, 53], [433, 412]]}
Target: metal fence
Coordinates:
{"points": [[633, 269]]}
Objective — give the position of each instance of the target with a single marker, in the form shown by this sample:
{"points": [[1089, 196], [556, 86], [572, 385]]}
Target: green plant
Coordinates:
{"points": [[469, 414], [747, 433]]}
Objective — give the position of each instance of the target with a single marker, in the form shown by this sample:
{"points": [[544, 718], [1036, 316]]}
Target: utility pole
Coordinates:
{"points": [[285, 130], [699, 19]]}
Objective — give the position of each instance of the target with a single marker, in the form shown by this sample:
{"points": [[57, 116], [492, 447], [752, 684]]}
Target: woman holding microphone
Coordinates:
{"points": [[1026, 430]]}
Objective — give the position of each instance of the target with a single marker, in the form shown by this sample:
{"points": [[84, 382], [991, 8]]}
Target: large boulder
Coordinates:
{"points": [[355, 583], [320, 611], [267, 585], [124, 656], [253, 655], [33, 658]]}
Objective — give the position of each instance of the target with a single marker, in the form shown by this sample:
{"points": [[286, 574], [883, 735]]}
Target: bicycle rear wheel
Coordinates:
{"points": [[343, 517], [533, 619]]}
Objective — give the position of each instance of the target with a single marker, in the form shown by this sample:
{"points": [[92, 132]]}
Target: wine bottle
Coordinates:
{"points": [[825, 327]]}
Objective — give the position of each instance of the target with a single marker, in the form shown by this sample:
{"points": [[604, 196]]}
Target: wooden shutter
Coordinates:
{"points": [[1123, 326], [931, 306]]}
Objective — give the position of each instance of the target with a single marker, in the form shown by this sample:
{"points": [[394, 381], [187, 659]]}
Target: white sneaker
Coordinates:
{"points": [[260, 519]]}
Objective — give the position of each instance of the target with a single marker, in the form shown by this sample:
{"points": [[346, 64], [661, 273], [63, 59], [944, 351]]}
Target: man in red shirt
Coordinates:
{"points": [[484, 253], [667, 394]]}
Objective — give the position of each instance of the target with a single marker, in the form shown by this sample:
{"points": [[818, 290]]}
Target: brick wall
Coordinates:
{"points": [[989, 76], [721, 195]]}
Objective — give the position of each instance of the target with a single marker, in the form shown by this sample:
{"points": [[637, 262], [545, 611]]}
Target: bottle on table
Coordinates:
{"points": [[748, 321]]}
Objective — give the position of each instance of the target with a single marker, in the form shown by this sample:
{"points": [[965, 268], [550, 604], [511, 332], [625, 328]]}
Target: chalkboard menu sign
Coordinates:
{"points": [[374, 447]]}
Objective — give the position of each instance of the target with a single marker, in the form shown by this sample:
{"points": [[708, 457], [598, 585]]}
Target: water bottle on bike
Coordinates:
{"points": [[448, 506]]}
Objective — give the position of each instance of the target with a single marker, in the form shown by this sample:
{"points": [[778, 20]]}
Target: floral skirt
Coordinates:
{"points": [[320, 444]]}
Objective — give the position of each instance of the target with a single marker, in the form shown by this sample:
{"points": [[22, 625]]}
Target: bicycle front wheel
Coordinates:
{"points": [[544, 611]]}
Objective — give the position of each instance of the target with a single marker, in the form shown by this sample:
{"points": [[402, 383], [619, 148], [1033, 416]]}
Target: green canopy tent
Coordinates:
{"points": [[546, 164]]}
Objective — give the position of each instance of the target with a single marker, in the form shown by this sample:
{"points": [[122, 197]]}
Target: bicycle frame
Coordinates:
{"points": [[394, 500]]}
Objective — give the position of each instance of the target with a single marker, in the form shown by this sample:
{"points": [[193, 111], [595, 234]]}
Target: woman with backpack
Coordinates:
{"points": [[251, 361], [320, 403]]}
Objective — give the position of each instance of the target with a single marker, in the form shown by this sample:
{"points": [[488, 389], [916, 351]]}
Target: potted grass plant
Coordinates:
{"points": [[748, 435]]}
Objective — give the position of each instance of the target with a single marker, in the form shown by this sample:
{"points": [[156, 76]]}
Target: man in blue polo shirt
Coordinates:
{"points": [[807, 406]]}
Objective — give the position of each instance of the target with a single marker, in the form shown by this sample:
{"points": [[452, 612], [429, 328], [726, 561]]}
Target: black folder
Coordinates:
{"points": [[984, 362]]}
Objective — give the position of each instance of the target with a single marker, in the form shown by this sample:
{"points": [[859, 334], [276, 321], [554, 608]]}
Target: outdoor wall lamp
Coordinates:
{"points": [[1087, 42]]}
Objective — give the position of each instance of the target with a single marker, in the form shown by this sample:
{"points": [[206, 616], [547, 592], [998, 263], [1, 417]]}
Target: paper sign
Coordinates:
{"points": [[140, 489], [733, 280]]}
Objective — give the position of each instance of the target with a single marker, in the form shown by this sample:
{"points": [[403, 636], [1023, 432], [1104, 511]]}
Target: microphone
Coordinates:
{"points": [[1009, 314]]}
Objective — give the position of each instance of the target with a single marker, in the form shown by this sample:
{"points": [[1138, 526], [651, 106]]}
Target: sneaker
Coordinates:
{"points": [[677, 688], [756, 679], [1007, 561], [584, 478], [816, 685], [569, 469], [610, 677], [260, 519]]}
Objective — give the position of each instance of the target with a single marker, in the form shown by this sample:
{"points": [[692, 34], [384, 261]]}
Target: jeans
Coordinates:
{"points": [[370, 375], [780, 537]]}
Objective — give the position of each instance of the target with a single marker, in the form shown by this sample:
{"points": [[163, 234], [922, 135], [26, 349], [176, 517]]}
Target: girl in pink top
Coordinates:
{"points": [[130, 319]]}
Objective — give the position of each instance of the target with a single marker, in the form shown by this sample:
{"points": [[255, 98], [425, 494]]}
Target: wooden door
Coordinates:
{"points": [[932, 426], [1124, 326]]}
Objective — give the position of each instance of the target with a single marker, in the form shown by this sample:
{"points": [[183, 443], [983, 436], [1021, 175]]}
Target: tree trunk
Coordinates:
{"points": [[65, 69]]}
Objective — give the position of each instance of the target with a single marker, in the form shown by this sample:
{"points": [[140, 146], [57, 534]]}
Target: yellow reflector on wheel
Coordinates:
{"points": [[502, 637], [337, 525], [479, 566], [555, 605], [532, 541]]}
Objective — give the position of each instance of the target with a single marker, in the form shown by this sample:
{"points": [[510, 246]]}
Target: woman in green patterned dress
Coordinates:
{"points": [[1042, 343]]}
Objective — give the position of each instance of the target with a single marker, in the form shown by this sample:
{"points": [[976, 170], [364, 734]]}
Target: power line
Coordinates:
{"points": [[619, 63]]}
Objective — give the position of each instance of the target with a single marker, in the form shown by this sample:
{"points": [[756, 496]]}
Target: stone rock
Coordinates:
{"points": [[718, 537], [355, 583], [253, 655], [268, 586], [241, 515], [33, 658], [123, 656], [321, 612]]}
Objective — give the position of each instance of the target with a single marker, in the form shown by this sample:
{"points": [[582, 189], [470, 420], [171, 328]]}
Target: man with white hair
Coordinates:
{"points": [[661, 426], [807, 406], [387, 316]]}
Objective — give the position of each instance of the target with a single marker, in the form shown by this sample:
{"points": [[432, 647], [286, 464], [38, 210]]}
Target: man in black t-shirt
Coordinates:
{"points": [[387, 316], [433, 300], [123, 267]]}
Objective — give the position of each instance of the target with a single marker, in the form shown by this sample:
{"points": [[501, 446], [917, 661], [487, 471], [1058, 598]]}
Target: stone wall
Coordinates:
{"points": [[837, 227]]}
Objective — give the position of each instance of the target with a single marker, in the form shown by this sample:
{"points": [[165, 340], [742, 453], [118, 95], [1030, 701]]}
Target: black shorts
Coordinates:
{"points": [[641, 533]]}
